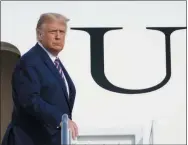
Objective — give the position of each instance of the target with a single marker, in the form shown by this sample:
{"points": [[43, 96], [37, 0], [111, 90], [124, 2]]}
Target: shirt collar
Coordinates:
{"points": [[52, 57]]}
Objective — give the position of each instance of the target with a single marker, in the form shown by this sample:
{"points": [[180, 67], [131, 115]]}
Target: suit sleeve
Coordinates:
{"points": [[26, 83]]}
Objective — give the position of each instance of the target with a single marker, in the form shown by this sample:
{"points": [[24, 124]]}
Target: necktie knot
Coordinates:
{"points": [[57, 64]]}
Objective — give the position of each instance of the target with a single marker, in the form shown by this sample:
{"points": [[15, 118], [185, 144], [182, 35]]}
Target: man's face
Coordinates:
{"points": [[53, 36]]}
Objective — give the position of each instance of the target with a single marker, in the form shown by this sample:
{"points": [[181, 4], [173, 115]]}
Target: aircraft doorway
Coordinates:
{"points": [[9, 55]]}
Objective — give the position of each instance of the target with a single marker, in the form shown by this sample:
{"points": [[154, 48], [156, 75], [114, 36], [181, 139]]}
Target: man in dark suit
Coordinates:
{"points": [[42, 89]]}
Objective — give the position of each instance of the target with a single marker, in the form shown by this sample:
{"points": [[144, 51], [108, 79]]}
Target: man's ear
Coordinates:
{"points": [[39, 34]]}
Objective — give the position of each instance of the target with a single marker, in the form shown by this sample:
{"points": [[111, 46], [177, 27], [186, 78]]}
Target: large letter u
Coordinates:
{"points": [[97, 58]]}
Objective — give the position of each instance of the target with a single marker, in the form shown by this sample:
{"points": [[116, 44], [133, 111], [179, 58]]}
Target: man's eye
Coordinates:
{"points": [[52, 32], [62, 32]]}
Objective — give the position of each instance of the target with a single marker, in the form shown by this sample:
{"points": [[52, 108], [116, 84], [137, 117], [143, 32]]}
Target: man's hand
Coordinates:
{"points": [[73, 128]]}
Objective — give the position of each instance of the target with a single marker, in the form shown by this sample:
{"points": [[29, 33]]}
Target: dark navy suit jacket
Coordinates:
{"points": [[40, 100]]}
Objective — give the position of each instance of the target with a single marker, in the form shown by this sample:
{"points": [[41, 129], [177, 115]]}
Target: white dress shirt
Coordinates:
{"points": [[52, 57]]}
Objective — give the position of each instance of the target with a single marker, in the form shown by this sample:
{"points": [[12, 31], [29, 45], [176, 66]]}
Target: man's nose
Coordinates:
{"points": [[57, 36]]}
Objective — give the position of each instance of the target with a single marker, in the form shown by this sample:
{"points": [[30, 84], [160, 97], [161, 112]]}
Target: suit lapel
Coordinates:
{"points": [[54, 70]]}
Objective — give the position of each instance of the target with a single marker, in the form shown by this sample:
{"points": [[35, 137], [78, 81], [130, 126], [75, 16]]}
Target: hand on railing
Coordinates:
{"points": [[73, 129]]}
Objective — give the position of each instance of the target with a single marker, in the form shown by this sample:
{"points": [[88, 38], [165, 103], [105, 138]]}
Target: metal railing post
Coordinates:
{"points": [[65, 137]]}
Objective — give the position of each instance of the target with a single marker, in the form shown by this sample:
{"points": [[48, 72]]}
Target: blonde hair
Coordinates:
{"points": [[49, 17]]}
